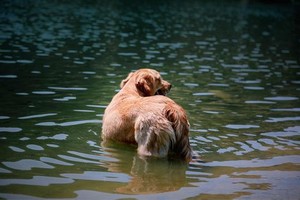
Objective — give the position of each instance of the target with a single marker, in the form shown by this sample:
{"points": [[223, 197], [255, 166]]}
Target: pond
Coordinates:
{"points": [[234, 67]]}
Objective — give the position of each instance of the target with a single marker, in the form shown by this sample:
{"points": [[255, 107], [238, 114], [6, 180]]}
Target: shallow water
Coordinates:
{"points": [[234, 67]]}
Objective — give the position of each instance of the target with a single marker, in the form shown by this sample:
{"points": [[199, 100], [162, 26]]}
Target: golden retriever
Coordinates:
{"points": [[141, 114]]}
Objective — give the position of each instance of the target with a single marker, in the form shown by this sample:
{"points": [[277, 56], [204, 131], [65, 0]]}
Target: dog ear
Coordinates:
{"points": [[126, 80], [145, 85]]}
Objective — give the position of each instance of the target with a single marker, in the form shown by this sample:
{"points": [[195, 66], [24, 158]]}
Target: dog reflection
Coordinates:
{"points": [[149, 175]]}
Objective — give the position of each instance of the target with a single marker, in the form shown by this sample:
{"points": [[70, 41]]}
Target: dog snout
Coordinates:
{"points": [[170, 86], [167, 86]]}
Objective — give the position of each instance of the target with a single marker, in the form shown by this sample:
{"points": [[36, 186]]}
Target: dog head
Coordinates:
{"points": [[148, 82]]}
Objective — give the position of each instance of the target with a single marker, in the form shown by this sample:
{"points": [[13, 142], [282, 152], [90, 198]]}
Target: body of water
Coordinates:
{"points": [[234, 67]]}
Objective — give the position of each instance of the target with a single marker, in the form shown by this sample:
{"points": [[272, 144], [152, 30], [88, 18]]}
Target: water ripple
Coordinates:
{"points": [[37, 181], [96, 106], [68, 88], [64, 98], [10, 129], [25, 61], [256, 145], [72, 123], [281, 98], [37, 116], [35, 147], [55, 161], [27, 164], [100, 176], [245, 147], [282, 119], [279, 160], [286, 109], [8, 76], [84, 111], [4, 171], [127, 54], [8, 61], [225, 150], [16, 149], [203, 94], [289, 132], [254, 88], [84, 155], [74, 159], [43, 92], [240, 126], [259, 102], [61, 136]]}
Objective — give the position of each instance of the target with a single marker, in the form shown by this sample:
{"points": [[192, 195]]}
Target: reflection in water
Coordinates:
{"points": [[148, 175]]}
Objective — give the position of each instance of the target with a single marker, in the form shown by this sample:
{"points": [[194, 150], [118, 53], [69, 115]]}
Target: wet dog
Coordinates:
{"points": [[141, 114]]}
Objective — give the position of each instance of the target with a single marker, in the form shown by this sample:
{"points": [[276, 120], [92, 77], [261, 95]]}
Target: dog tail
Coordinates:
{"points": [[177, 116]]}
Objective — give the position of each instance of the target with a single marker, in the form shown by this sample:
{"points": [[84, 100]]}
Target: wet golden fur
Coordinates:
{"points": [[140, 114]]}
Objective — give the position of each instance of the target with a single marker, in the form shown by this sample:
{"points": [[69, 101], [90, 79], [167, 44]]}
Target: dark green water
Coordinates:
{"points": [[235, 68]]}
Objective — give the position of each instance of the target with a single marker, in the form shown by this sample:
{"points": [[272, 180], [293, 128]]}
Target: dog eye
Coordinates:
{"points": [[158, 79]]}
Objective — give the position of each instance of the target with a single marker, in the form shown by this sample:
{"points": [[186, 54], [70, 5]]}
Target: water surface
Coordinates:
{"points": [[234, 67]]}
